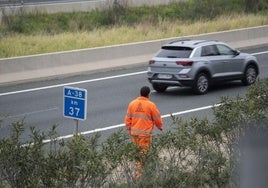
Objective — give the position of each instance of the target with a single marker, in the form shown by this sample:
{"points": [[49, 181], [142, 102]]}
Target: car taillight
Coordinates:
{"points": [[185, 63], [151, 62]]}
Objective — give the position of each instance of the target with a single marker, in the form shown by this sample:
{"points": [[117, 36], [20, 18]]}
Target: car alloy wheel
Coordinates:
{"points": [[201, 84], [250, 75]]}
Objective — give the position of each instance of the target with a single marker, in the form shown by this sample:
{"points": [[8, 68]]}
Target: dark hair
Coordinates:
{"points": [[145, 91]]}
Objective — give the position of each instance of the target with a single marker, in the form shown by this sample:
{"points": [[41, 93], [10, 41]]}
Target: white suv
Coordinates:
{"points": [[198, 64]]}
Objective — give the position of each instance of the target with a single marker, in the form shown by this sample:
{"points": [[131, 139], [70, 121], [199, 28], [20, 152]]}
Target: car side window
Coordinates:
{"points": [[224, 50], [209, 50]]}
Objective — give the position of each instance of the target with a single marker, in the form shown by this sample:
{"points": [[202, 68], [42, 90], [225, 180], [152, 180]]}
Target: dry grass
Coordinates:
{"points": [[20, 45]]}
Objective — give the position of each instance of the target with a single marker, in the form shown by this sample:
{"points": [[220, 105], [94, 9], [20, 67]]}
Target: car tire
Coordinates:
{"points": [[201, 84], [159, 88], [250, 75]]}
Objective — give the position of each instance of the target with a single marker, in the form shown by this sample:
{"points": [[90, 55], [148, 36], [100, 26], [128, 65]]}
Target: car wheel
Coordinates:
{"points": [[250, 75], [159, 88], [201, 84]]}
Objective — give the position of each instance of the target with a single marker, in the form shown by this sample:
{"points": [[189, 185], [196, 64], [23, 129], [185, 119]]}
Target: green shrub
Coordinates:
{"points": [[20, 164]]}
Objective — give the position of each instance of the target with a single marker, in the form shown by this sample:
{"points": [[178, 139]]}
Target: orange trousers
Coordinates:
{"points": [[142, 141]]}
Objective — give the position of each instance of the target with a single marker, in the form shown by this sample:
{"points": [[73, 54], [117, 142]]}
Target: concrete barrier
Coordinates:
{"points": [[96, 59]]}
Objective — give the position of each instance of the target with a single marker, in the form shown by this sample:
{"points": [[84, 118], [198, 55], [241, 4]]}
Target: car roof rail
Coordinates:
{"points": [[203, 41], [181, 40]]}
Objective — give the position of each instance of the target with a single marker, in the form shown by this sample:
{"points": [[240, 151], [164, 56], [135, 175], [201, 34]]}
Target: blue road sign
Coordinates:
{"points": [[75, 103]]}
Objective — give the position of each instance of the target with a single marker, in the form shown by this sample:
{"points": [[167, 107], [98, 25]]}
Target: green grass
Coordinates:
{"points": [[25, 44]]}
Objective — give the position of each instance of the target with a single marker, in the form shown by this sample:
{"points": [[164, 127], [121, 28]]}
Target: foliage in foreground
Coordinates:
{"points": [[194, 153]]}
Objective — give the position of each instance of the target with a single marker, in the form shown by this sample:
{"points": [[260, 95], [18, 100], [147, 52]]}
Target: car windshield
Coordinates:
{"points": [[174, 52]]}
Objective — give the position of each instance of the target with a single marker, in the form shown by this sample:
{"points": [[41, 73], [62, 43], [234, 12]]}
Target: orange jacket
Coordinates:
{"points": [[142, 115]]}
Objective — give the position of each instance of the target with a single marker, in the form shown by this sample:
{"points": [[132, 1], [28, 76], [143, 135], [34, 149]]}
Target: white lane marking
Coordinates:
{"points": [[122, 124], [34, 112], [260, 53], [73, 83]]}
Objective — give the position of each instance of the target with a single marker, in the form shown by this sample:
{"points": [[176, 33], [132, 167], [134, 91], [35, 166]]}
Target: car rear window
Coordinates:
{"points": [[174, 52]]}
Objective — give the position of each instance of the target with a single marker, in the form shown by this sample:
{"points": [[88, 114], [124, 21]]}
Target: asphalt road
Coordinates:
{"points": [[40, 104]]}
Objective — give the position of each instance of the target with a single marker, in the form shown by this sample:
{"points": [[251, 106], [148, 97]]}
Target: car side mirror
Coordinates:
{"points": [[236, 52]]}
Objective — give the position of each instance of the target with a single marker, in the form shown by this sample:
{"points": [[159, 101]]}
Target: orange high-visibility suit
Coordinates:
{"points": [[142, 115]]}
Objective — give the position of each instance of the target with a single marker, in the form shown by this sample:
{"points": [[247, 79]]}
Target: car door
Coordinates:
{"points": [[213, 62], [232, 62]]}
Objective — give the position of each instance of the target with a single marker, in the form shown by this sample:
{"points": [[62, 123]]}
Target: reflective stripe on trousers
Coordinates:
{"points": [[137, 131]]}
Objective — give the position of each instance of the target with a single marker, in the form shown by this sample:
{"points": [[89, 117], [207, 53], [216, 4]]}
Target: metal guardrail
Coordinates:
{"points": [[4, 3], [54, 6], [8, 3]]}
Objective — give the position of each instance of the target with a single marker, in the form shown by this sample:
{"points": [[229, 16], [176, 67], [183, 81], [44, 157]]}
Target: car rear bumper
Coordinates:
{"points": [[182, 83]]}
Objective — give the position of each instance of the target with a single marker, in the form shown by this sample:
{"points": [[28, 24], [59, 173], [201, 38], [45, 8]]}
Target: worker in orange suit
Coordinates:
{"points": [[142, 115]]}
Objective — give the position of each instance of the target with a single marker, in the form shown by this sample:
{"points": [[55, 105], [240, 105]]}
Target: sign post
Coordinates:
{"points": [[75, 104]]}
